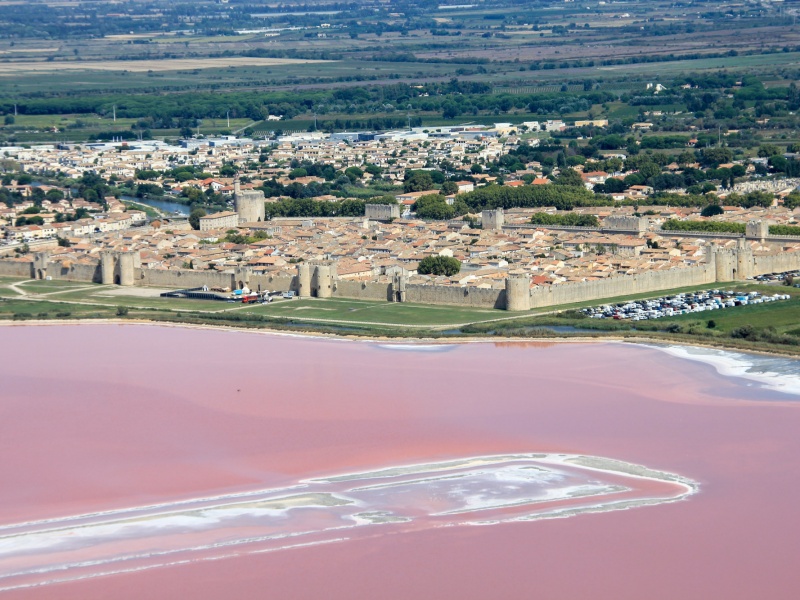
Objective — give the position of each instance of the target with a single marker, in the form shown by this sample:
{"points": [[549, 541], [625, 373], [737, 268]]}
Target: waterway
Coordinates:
{"points": [[165, 206], [164, 462]]}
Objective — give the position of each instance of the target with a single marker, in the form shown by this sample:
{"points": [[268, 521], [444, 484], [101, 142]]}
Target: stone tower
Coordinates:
{"points": [[724, 264], [493, 219], [108, 267], [518, 293], [382, 212], [757, 230], [119, 267], [304, 280], [744, 260], [399, 283], [127, 264], [324, 277], [249, 204], [241, 277], [40, 262]]}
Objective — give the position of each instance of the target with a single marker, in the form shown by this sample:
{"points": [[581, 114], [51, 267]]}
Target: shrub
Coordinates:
{"points": [[745, 332]]}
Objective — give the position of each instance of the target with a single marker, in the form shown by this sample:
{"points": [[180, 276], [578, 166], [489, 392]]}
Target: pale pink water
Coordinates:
{"points": [[99, 417]]}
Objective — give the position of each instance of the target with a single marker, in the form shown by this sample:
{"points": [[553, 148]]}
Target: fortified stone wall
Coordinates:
{"points": [[651, 281], [277, 283], [362, 290], [14, 268], [39, 269], [776, 263], [181, 278], [722, 266], [462, 296], [89, 273], [187, 278]]}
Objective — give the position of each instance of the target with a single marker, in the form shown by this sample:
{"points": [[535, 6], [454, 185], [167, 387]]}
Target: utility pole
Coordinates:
{"points": [[114, 109], [228, 116]]}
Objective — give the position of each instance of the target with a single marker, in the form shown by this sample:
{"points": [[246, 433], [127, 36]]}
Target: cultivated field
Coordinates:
{"points": [[140, 66]]}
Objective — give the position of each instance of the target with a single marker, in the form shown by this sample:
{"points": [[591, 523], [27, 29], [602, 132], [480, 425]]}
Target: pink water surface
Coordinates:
{"points": [[97, 417]]}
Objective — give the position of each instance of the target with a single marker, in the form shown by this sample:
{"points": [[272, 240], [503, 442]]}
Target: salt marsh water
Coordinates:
{"points": [[143, 461]]}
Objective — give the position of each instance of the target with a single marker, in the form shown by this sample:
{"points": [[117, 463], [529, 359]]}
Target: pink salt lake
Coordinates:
{"points": [[110, 419]]}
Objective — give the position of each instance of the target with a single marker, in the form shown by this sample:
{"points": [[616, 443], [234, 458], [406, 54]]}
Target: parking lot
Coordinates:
{"points": [[680, 304], [781, 278]]}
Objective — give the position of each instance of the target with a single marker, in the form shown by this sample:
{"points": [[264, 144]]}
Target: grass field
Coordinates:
{"points": [[381, 313], [783, 316], [774, 327]]}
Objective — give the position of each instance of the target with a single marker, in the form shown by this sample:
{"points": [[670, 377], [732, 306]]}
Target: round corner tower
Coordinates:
{"points": [[249, 204], [518, 293], [304, 280], [325, 274], [108, 264], [127, 265]]}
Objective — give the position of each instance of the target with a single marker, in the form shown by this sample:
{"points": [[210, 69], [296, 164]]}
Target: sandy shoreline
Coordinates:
{"points": [[405, 340]]}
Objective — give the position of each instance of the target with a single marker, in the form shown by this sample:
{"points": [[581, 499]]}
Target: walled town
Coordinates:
{"points": [[390, 238]]}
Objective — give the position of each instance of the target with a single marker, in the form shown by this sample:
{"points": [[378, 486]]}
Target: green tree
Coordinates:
{"points": [[570, 219], [434, 206], [353, 173], [569, 178], [767, 150], [439, 265], [54, 195], [419, 181], [649, 170], [449, 187], [792, 201], [715, 156], [712, 210], [194, 217]]}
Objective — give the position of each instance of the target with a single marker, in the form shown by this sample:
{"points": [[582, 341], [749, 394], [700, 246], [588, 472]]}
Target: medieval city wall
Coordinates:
{"points": [[462, 296], [13, 268], [276, 283], [624, 285], [362, 290], [724, 266], [776, 263], [181, 278], [89, 273], [188, 278]]}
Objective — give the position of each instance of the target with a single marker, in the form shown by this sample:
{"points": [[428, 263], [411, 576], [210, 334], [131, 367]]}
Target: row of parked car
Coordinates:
{"points": [[679, 304], [794, 276]]}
